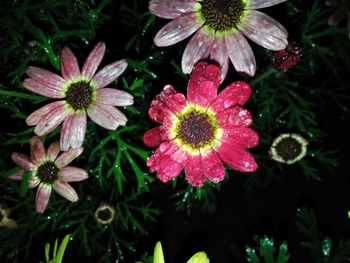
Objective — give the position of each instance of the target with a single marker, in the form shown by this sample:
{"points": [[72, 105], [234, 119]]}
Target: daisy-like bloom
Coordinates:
{"points": [[49, 170], [104, 214], [199, 133], [84, 92], [158, 256], [288, 148], [342, 11], [5, 221], [221, 27]]}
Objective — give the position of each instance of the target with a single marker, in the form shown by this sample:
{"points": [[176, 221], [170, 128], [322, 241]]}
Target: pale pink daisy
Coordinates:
{"points": [[221, 27], [84, 92], [201, 132], [48, 170]]}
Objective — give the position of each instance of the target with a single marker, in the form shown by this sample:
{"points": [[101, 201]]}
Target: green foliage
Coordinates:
{"points": [[266, 251], [319, 245], [57, 256]]}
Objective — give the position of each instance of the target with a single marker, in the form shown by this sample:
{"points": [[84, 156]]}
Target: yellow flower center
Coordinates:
{"points": [[196, 129]]}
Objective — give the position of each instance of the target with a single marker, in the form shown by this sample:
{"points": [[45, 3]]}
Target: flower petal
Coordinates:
{"points": [[195, 172], [37, 150], [51, 120], [234, 117], [107, 116], [243, 137], [214, 168], [37, 115], [166, 104], [51, 80], [236, 94], [168, 160], [72, 174], [109, 73], [170, 8], [240, 53], [152, 138], [69, 64], [264, 30], [93, 60], [257, 4], [42, 197], [114, 97], [203, 84], [17, 176], [66, 157], [73, 131], [196, 49], [65, 190], [177, 30], [53, 151], [219, 54], [42, 89], [23, 161], [237, 158]]}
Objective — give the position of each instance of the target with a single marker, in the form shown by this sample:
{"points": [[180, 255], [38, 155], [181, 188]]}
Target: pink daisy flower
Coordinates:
{"points": [[84, 92], [49, 171], [220, 27], [199, 133]]}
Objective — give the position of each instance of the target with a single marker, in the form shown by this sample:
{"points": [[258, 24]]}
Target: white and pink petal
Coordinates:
{"points": [[114, 97], [170, 8], [23, 161], [72, 174], [109, 73], [51, 80], [93, 60], [69, 64], [53, 151], [37, 150], [177, 30], [51, 120], [264, 30], [65, 190], [66, 157], [257, 4], [37, 115], [107, 116], [42, 197], [42, 89]]}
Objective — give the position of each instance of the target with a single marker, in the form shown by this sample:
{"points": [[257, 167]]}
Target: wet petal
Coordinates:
{"points": [[214, 168], [42, 197], [93, 61], [195, 172], [170, 8], [237, 93], [264, 30], [107, 116], [66, 157], [37, 150], [69, 64], [152, 138], [17, 176], [237, 158], [37, 115], [244, 137], [72, 174], [65, 190], [46, 77], [219, 54], [114, 97], [257, 4], [195, 50], [234, 117], [166, 104], [203, 84], [73, 131], [109, 73], [51, 120], [240, 53], [23, 161], [53, 151], [177, 30], [42, 89]]}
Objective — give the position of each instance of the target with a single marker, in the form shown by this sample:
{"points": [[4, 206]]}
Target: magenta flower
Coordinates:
{"points": [[84, 92], [220, 27], [200, 133], [49, 171]]}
